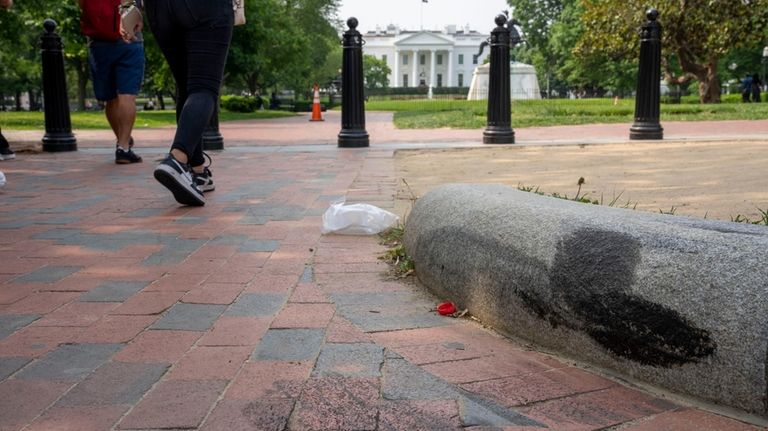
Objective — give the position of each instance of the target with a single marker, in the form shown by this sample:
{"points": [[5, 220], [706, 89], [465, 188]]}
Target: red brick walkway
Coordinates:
{"points": [[120, 309]]}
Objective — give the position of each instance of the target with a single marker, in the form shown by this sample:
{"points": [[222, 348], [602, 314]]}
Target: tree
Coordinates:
{"points": [[593, 75], [317, 20], [696, 35], [158, 79], [268, 49], [375, 72], [285, 43], [538, 19], [19, 52]]}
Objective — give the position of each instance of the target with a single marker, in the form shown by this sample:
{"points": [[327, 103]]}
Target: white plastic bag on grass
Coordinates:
{"points": [[356, 219]]}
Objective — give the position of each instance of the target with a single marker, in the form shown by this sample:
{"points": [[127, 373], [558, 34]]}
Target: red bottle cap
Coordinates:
{"points": [[446, 308]]}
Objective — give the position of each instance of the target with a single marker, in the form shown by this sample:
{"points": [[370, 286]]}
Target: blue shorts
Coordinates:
{"points": [[116, 68]]}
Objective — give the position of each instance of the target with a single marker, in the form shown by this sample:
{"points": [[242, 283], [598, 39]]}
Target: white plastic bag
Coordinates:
{"points": [[356, 219]]}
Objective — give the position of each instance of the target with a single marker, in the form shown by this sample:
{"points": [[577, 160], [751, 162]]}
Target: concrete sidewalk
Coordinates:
{"points": [[120, 309]]}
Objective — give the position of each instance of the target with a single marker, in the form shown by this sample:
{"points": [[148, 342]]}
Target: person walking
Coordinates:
{"points": [[746, 88], [757, 84], [116, 63], [194, 36], [5, 149]]}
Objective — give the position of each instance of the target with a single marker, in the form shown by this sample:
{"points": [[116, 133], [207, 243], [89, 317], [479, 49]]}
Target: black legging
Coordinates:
{"points": [[194, 36], [3, 141]]}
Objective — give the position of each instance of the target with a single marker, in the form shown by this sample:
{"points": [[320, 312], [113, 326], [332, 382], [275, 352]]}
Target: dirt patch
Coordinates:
{"points": [[716, 180]]}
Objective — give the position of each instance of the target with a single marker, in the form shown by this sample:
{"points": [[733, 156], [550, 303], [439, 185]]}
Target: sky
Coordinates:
{"points": [[415, 14]]}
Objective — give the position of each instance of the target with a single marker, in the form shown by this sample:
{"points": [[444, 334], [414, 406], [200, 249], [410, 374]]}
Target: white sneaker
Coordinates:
{"points": [[7, 154], [177, 178], [2, 179]]}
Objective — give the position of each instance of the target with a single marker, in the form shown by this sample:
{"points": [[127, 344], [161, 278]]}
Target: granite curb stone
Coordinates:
{"points": [[674, 301]]}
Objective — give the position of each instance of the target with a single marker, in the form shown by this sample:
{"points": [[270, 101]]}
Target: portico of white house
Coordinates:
{"points": [[427, 58]]}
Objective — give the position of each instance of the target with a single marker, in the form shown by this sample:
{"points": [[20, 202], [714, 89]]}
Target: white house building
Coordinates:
{"points": [[427, 57]]}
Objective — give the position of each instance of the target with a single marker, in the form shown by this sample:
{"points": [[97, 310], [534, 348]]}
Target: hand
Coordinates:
{"points": [[129, 35], [6, 4]]}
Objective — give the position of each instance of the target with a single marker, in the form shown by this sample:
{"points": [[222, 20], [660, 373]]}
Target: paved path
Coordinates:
{"points": [[121, 310]]}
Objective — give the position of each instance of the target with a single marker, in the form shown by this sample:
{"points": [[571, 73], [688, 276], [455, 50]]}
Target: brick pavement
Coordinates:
{"points": [[121, 310]]}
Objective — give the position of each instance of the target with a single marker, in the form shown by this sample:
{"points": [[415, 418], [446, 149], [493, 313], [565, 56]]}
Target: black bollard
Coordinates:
{"points": [[212, 139], [647, 99], [58, 124], [353, 134], [499, 129]]}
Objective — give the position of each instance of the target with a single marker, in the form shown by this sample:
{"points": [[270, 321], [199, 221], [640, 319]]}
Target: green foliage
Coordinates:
{"points": [[763, 220], [241, 103], [396, 254], [95, 120], [460, 91], [585, 199], [375, 72], [695, 35], [285, 44], [437, 113], [397, 91]]}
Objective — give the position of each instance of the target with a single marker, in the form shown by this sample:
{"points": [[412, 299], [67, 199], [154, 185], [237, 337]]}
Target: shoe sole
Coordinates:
{"points": [[183, 194], [125, 162], [205, 189]]}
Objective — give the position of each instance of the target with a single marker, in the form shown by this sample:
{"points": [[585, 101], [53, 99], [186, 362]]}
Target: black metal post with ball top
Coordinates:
{"points": [[648, 97], [58, 124], [353, 133]]}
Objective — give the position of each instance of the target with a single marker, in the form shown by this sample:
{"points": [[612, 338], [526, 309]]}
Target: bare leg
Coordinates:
{"points": [[121, 114]]}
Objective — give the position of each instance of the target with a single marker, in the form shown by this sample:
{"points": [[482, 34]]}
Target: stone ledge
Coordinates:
{"points": [[677, 302]]}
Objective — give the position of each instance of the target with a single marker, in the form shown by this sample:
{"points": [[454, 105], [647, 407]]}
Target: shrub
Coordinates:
{"points": [[395, 91], [462, 91], [241, 103]]}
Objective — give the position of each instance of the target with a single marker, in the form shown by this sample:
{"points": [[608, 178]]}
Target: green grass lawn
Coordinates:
{"points": [[460, 114], [97, 120], [426, 114]]}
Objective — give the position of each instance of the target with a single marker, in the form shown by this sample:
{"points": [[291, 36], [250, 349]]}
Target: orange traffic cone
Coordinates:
{"points": [[316, 111]]}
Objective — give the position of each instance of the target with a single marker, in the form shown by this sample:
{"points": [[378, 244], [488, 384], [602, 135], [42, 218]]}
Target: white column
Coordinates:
{"points": [[450, 67], [432, 65], [415, 61], [396, 72]]}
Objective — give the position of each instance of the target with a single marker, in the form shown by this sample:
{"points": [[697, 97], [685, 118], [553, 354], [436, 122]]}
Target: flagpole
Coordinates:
{"points": [[422, 15]]}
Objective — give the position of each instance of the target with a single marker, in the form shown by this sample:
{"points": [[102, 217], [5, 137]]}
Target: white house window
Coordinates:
{"points": [[423, 59], [461, 80], [384, 58], [439, 79], [461, 58], [439, 59], [405, 80], [405, 60], [474, 60]]}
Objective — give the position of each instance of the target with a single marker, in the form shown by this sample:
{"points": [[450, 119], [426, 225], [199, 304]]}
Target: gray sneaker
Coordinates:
{"points": [[204, 180], [177, 177]]}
